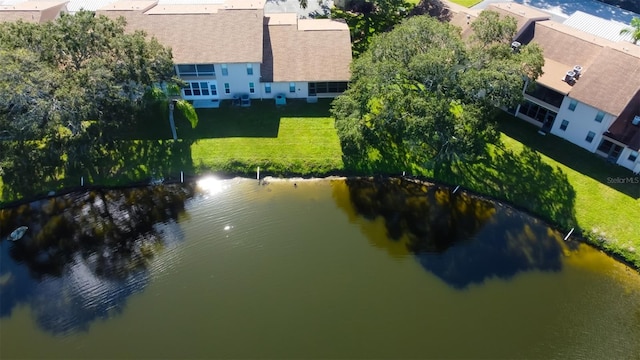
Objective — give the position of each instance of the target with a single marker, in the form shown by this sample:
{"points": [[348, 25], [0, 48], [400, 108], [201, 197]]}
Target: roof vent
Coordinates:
{"points": [[636, 120], [515, 46], [570, 77], [578, 70]]}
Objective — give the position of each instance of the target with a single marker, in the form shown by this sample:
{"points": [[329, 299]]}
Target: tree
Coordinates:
{"points": [[420, 96], [634, 31], [433, 8], [62, 84], [76, 68], [369, 17]]}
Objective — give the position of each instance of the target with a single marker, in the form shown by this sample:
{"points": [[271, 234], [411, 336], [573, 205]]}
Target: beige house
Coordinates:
{"points": [[589, 93], [33, 11], [230, 49], [233, 49]]}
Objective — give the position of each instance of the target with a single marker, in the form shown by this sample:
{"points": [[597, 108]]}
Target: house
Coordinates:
{"points": [[226, 49], [589, 93], [32, 11]]}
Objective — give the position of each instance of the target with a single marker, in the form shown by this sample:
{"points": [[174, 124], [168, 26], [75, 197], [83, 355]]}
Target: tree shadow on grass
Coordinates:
{"points": [[522, 179], [568, 154], [461, 239], [100, 161], [261, 119]]}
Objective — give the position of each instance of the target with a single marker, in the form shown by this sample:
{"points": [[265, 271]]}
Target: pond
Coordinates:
{"points": [[334, 268]]}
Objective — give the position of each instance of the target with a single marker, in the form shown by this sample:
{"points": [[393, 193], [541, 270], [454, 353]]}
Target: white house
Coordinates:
{"points": [[229, 49], [589, 93]]}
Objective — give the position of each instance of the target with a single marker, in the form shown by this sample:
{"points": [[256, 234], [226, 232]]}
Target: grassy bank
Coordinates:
{"points": [[558, 181], [607, 201], [467, 3], [561, 183], [298, 138]]}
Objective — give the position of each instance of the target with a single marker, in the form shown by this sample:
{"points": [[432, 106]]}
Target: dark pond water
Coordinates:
{"points": [[338, 268]]}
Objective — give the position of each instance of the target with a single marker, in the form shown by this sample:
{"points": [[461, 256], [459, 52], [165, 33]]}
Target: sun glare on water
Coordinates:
{"points": [[211, 185]]}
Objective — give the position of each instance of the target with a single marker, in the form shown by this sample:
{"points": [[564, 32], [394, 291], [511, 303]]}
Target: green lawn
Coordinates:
{"points": [[467, 3], [298, 138], [546, 175], [601, 206]]}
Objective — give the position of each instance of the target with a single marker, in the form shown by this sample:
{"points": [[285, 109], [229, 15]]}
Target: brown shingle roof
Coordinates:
{"points": [[32, 11], [567, 45], [610, 82], [623, 129], [320, 53], [205, 34]]}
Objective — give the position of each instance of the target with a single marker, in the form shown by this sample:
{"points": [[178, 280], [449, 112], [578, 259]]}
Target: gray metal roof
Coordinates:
{"points": [[91, 5], [607, 29]]}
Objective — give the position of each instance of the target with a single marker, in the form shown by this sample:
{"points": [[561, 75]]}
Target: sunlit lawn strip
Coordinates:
{"points": [[467, 3], [304, 146]]}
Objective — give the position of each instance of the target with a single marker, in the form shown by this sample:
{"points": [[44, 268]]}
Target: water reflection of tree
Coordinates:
{"points": [[87, 251], [459, 238]]}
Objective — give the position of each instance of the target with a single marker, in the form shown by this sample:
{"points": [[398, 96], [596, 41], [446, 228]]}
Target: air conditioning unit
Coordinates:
{"points": [[515, 46], [636, 120], [578, 70], [570, 77]]}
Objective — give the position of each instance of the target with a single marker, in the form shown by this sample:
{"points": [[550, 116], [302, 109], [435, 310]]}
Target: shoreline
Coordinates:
{"points": [[576, 234]]}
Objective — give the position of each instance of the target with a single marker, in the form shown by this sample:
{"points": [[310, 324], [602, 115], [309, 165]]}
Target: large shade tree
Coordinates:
{"points": [[76, 68], [422, 96], [369, 17], [67, 89]]}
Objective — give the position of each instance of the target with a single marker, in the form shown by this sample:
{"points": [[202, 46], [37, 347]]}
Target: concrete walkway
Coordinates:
{"points": [[562, 9]]}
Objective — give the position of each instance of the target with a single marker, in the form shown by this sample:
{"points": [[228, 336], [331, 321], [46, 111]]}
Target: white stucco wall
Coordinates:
{"points": [[302, 89], [581, 121], [623, 160], [238, 80]]}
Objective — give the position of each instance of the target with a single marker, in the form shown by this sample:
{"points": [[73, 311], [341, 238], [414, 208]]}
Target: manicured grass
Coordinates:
{"points": [[302, 146], [601, 206], [467, 3], [546, 175], [296, 139]]}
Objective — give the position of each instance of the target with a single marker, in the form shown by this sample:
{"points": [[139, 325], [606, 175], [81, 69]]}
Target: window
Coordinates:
{"points": [[600, 116], [187, 90], [205, 70], [633, 155], [249, 69], [197, 89], [267, 88], [187, 70], [196, 70], [326, 87], [252, 88], [204, 88], [225, 70], [573, 104], [227, 89], [292, 87], [214, 90], [563, 125], [590, 136]]}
